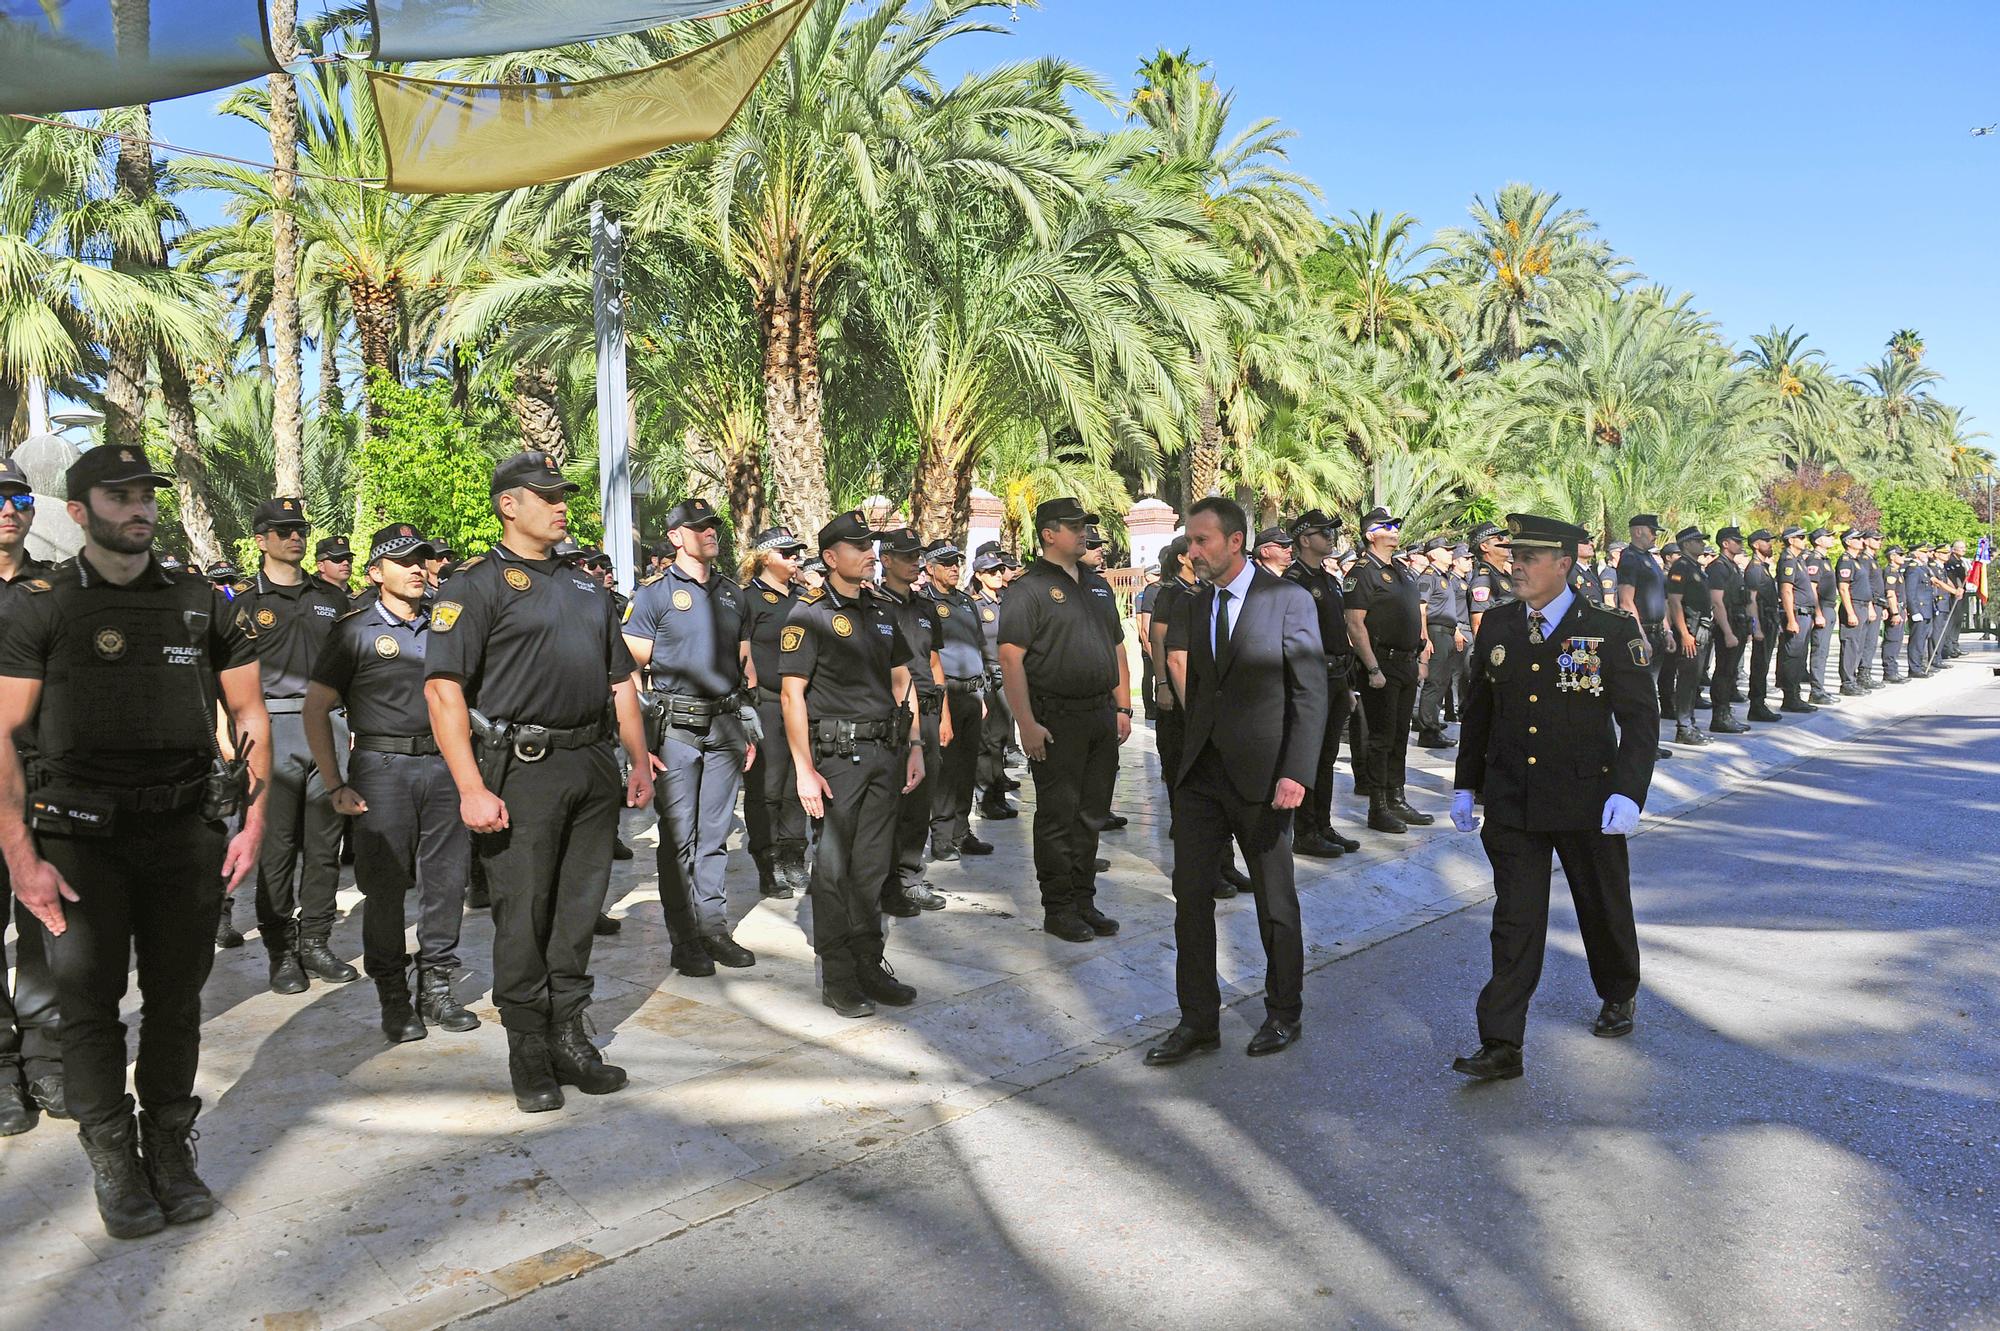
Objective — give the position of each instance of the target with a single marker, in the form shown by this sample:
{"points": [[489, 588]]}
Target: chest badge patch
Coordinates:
{"points": [[944, 611], [1056, 594], [1581, 663], [1497, 655], [386, 648], [266, 618], [793, 638], [771, 597], [843, 626], [518, 579], [987, 615], [109, 643], [1387, 576], [683, 600], [446, 615]]}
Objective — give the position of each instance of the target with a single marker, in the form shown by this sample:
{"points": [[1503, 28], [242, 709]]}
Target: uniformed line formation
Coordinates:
{"points": [[471, 730]]}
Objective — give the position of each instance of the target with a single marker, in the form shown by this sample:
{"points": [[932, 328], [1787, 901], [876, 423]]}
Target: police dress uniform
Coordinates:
{"points": [[966, 654], [1796, 571], [845, 649], [30, 1017], [1920, 601], [773, 820], [1315, 833], [410, 837], [1069, 630], [1826, 584], [121, 805], [1389, 595], [1558, 719], [697, 629], [535, 644], [298, 867], [1762, 589]]}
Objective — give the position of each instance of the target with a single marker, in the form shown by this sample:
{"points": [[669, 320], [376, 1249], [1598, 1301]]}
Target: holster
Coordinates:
{"points": [[653, 716], [225, 790], [492, 749]]}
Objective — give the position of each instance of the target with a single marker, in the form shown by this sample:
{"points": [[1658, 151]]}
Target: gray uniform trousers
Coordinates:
{"points": [[410, 836], [1822, 646], [696, 799]]}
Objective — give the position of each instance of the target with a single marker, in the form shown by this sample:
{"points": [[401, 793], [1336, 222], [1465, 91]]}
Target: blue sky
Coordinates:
{"points": [[1803, 165]]}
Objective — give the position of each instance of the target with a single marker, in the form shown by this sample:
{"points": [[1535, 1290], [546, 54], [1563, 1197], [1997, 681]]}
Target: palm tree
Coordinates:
{"points": [[1897, 405], [1523, 260], [1365, 264], [1792, 386], [1024, 466], [287, 356], [1907, 343]]}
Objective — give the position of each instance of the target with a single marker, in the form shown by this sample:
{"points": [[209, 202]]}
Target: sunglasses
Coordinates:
{"points": [[23, 503], [1385, 526], [288, 530]]}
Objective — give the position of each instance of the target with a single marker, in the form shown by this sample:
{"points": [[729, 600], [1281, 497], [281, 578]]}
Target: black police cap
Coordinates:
{"points": [[774, 538], [536, 470], [1274, 536], [566, 549], [399, 539], [1313, 520], [284, 511], [1483, 533], [12, 478], [1068, 508], [901, 541], [1695, 534], [335, 548], [1853, 534], [1761, 534], [220, 571], [1729, 534], [1818, 532], [849, 526], [1532, 531], [1461, 551], [1376, 515], [1436, 543], [987, 548], [112, 464], [1648, 520], [942, 551], [987, 563], [1793, 530], [693, 511], [1093, 536]]}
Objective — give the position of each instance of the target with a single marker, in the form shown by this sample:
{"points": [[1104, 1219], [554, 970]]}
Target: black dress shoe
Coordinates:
{"points": [[606, 925], [846, 998], [1662, 755], [1100, 924], [1728, 726], [994, 809], [691, 959], [47, 1093], [1069, 928], [17, 1114], [972, 845], [1273, 1036], [1850, 691], [1101, 865], [1614, 1020], [1318, 847], [1689, 736], [1763, 714], [1235, 877], [1181, 1044], [726, 951], [1799, 708], [897, 902], [1433, 739], [1116, 821], [619, 850], [1494, 1062], [1346, 843], [1821, 698], [226, 935]]}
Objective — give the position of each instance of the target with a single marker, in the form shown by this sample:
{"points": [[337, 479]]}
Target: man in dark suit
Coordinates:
{"points": [[1559, 737], [1246, 650]]}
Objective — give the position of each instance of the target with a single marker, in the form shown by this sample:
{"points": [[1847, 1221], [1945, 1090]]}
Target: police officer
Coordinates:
{"points": [[1826, 583], [1560, 734], [290, 616], [1732, 619], [1592, 579], [1142, 620], [996, 736], [1461, 567], [1274, 551], [1952, 573], [1895, 619], [1385, 623], [857, 750], [907, 892], [1762, 588], [1442, 593], [407, 832], [1688, 622], [1067, 682], [1920, 602], [1642, 593], [532, 644], [966, 659], [30, 1020], [333, 565], [1851, 587], [686, 630], [1489, 587], [118, 844], [772, 817], [1798, 597], [1878, 600], [1313, 534]]}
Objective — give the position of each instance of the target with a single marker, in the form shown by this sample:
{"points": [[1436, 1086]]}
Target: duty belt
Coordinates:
{"points": [[956, 684], [1382, 651], [531, 744], [410, 746], [176, 798], [930, 699]]}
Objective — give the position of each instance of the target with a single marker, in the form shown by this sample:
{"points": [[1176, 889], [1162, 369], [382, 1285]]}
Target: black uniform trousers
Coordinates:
{"points": [[1073, 787], [1954, 622], [1600, 883], [410, 837], [1722, 689], [914, 810], [958, 769], [857, 844], [1823, 645], [1388, 710], [1660, 666], [695, 796], [1147, 685], [995, 737], [1169, 738], [1761, 651], [1795, 660], [30, 1016], [1438, 680], [1316, 813], [1919, 649], [1871, 639], [299, 825], [1208, 815], [548, 872], [1892, 650], [772, 814], [151, 889], [1688, 677]]}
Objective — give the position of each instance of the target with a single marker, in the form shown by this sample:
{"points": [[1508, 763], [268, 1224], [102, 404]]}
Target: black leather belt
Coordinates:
{"points": [[957, 684], [410, 746], [831, 730], [532, 743]]}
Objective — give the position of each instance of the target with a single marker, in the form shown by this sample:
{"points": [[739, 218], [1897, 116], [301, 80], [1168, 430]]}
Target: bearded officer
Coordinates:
{"points": [[1559, 687], [531, 644], [857, 751], [967, 660]]}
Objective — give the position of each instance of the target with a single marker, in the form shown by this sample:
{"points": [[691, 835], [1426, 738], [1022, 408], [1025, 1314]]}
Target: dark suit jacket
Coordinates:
{"points": [[1266, 715], [1547, 757]]}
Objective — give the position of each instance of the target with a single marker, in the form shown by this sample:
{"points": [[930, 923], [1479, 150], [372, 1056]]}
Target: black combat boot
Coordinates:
{"points": [[17, 1111], [878, 980], [125, 1198], [846, 998], [768, 882], [793, 876], [1382, 818], [225, 932], [400, 1021], [437, 1004], [1402, 809], [319, 962], [478, 896], [167, 1135], [528, 1067], [287, 976], [577, 1062]]}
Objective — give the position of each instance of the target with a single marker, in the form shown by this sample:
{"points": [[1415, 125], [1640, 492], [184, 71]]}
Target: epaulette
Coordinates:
{"points": [[471, 563], [1609, 609], [811, 595], [647, 582], [37, 585], [244, 586], [342, 619]]}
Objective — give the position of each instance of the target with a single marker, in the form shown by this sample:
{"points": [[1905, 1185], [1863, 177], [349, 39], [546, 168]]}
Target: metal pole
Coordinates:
{"points": [[614, 442]]}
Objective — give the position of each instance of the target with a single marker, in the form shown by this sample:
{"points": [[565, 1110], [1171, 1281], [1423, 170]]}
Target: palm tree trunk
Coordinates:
{"points": [[1201, 461], [288, 405], [538, 410], [793, 407], [375, 320], [934, 489], [125, 375], [746, 490], [330, 403], [190, 470]]}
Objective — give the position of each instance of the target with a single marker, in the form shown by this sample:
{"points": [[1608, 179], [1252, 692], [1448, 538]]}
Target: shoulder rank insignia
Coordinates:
{"points": [[812, 594], [37, 585], [239, 587]]}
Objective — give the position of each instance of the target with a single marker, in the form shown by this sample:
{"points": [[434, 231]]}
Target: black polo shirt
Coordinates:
{"points": [[1685, 580], [1069, 630], [1761, 586], [1723, 576], [697, 630], [533, 641], [1329, 603], [916, 619], [1797, 570], [1393, 601], [291, 624], [961, 641], [375, 662], [1638, 570], [1826, 578], [844, 650], [765, 609]]}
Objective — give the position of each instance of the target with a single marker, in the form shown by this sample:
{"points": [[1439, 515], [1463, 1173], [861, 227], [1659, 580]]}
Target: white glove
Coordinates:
{"points": [[1621, 816], [1462, 816]]}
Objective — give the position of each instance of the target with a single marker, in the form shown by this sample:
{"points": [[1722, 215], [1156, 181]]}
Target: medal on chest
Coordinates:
{"points": [[1581, 666]]}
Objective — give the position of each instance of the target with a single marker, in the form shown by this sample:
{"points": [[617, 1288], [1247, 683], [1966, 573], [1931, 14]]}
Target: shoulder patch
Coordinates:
{"points": [[350, 614], [1641, 650], [445, 615], [647, 582], [792, 638], [471, 563]]}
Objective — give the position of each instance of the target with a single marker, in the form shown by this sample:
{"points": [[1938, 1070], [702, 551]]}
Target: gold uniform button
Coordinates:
{"points": [[1533, 731], [1533, 698], [1531, 760], [1535, 666]]}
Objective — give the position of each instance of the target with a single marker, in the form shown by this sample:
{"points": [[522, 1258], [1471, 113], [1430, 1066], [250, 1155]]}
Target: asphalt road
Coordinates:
{"points": [[1803, 1132]]}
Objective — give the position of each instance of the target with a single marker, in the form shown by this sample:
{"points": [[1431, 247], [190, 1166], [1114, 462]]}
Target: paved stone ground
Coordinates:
{"points": [[361, 1181]]}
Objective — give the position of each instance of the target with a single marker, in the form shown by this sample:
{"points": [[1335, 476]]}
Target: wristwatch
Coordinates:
{"points": [[1123, 711]]}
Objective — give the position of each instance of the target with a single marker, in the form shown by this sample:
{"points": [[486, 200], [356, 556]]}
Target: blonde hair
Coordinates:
{"points": [[753, 566]]}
